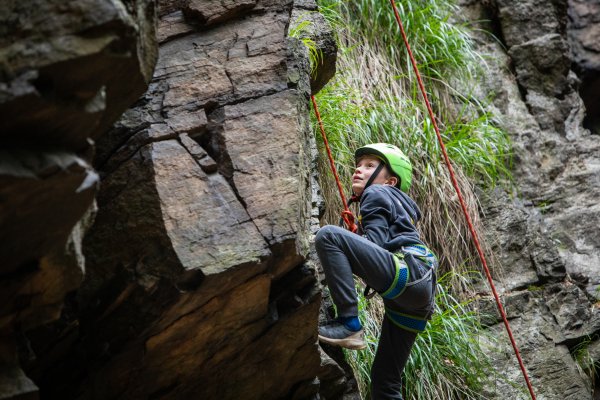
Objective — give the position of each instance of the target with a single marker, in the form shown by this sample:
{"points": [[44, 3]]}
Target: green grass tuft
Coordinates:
{"points": [[301, 30], [586, 364], [373, 98]]}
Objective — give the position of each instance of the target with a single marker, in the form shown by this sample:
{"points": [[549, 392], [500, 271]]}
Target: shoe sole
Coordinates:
{"points": [[353, 342]]}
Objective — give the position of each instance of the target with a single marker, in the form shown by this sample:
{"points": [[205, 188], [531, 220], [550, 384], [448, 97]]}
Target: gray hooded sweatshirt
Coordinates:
{"points": [[388, 216]]}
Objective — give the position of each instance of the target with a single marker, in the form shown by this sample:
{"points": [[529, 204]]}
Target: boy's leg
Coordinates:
{"points": [[343, 253], [392, 353]]}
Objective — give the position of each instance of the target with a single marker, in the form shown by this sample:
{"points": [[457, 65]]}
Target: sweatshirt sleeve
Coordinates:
{"points": [[375, 211]]}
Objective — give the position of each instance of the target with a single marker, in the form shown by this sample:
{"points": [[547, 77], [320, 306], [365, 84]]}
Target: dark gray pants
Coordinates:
{"points": [[343, 254]]}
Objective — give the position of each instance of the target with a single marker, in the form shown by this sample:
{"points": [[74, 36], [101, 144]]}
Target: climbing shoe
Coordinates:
{"points": [[337, 334]]}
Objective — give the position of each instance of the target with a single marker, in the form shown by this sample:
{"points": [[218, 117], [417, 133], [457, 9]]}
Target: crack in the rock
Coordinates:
{"points": [[268, 92], [235, 40], [135, 150], [190, 153], [122, 143], [214, 145], [241, 171], [227, 170], [231, 182], [230, 80]]}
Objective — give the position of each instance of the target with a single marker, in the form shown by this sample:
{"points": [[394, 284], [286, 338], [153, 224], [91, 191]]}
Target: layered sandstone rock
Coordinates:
{"points": [[198, 280], [67, 72], [198, 283]]}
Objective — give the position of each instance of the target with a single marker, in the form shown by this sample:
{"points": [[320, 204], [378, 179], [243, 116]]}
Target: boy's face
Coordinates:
{"points": [[365, 166]]}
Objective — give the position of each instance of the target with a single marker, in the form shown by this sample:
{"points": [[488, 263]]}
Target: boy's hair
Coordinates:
{"points": [[390, 173]]}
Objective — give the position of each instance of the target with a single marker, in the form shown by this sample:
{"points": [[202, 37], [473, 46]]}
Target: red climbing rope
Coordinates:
{"points": [[347, 215], [462, 202]]}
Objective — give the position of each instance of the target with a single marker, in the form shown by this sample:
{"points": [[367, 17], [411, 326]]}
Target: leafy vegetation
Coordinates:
{"points": [[301, 30], [374, 98], [586, 364]]}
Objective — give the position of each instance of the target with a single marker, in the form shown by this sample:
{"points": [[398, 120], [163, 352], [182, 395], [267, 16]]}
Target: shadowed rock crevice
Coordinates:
{"points": [[583, 33], [197, 147], [296, 286], [590, 87], [215, 146]]}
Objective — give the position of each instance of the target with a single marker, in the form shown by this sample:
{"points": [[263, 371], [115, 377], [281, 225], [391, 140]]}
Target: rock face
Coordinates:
{"points": [[545, 234], [67, 72], [198, 283], [67, 65]]}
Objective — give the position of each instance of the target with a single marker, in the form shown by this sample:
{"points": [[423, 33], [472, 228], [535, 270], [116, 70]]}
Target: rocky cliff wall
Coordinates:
{"points": [[197, 279], [545, 234], [68, 70]]}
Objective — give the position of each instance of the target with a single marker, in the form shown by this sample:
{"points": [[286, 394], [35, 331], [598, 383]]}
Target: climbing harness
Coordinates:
{"points": [[400, 279], [403, 320], [402, 275]]}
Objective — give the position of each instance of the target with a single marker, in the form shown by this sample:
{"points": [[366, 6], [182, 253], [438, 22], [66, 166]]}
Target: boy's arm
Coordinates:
{"points": [[376, 212]]}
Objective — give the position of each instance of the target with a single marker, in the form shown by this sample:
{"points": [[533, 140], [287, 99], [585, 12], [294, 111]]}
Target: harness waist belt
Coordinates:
{"points": [[421, 252], [402, 275]]}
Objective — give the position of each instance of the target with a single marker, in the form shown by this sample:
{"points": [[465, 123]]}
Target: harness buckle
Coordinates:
{"points": [[369, 292]]}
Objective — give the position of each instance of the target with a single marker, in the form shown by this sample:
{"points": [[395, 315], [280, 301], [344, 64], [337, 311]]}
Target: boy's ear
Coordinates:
{"points": [[392, 180]]}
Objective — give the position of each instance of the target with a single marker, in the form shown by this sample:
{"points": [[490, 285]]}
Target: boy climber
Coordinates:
{"points": [[389, 256]]}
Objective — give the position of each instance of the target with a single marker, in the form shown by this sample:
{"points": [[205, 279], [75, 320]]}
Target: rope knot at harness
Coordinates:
{"points": [[349, 219]]}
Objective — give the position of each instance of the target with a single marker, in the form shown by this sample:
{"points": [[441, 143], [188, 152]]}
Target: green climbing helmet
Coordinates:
{"points": [[394, 158]]}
